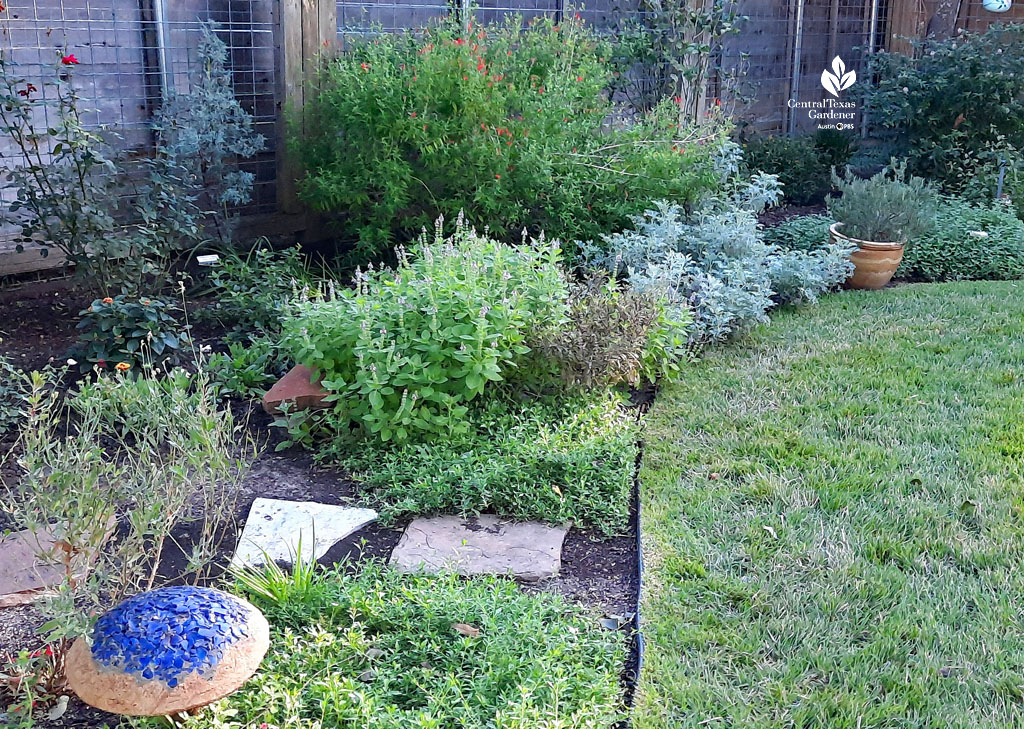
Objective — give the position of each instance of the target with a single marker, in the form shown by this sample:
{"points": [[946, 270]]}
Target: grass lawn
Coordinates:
{"points": [[833, 520]]}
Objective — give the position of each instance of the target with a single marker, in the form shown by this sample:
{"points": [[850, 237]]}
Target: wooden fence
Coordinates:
{"points": [[130, 50]]}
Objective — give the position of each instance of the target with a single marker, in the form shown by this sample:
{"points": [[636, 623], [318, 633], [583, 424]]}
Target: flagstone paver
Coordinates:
{"points": [[275, 528], [482, 545]]}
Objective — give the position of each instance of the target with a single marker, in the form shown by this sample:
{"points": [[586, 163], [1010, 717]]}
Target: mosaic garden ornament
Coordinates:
{"points": [[168, 651]]}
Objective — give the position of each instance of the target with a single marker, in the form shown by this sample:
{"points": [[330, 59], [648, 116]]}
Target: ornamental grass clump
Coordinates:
{"points": [[404, 352], [509, 123]]}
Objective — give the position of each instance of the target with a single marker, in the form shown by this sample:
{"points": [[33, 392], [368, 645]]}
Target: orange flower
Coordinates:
{"points": [[108, 300], [122, 367]]}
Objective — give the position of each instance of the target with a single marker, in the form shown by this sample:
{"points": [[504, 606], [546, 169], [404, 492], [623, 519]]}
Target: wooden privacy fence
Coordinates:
{"points": [[131, 50]]}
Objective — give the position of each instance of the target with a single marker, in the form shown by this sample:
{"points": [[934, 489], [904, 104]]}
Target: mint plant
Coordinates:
{"points": [[405, 351]]}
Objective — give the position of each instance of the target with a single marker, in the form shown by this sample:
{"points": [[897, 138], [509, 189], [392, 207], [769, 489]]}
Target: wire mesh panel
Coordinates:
{"points": [[779, 53], [128, 51]]}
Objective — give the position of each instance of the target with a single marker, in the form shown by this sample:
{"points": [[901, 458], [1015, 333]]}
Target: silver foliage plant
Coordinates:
{"points": [[715, 261]]}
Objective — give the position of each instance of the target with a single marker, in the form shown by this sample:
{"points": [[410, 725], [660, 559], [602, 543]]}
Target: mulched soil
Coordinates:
{"points": [[774, 216], [597, 572]]}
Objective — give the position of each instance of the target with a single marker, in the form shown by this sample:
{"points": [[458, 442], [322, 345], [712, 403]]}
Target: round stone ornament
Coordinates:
{"points": [[168, 650]]}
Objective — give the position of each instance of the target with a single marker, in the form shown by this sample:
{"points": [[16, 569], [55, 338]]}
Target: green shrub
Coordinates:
{"points": [[253, 293], [615, 335], [405, 352], [555, 460], [124, 330], [968, 242], [506, 123], [800, 233], [955, 106], [247, 369], [888, 207], [797, 163], [375, 649]]}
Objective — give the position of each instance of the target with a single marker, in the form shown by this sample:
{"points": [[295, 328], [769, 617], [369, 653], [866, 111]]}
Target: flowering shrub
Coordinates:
{"points": [[508, 124], [404, 352], [58, 175], [955, 106], [122, 331]]}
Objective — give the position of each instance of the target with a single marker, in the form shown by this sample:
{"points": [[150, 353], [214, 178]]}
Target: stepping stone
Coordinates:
{"points": [[485, 545], [31, 562], [298, 388], [275, 528]]}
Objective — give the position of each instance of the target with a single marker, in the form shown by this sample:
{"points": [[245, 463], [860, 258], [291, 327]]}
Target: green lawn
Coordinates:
{"points": [[833, 520]]}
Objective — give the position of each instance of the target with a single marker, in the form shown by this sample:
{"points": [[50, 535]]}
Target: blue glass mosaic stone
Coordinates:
{"points": [[165, 634]]}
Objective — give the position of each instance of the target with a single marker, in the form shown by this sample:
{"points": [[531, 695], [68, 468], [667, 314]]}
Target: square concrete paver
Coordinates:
{"points": [[485, 545], [275, 528]]}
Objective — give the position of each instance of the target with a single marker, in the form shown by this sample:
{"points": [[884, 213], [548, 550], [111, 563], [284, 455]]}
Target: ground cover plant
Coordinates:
{"points": [[373, 648], [968, 241], [507, 124], [832, 529], [555, 459]]}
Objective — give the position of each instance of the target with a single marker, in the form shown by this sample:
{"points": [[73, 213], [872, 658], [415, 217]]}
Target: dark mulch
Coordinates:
{"points": [[597, 572], [774, 216]]}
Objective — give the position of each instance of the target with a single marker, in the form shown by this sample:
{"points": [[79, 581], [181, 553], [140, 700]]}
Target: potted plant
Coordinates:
{"points": [[877, 217]]}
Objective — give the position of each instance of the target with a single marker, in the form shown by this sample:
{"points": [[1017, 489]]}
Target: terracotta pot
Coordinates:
{"points": [[874, 262]]}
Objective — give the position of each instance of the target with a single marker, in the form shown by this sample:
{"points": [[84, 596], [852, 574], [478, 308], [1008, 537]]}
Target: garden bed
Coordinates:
{"points": [[598, 572]]}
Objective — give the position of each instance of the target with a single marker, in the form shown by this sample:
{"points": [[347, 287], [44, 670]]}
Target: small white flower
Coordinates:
{"points": [[979, 234], [72, 362]]}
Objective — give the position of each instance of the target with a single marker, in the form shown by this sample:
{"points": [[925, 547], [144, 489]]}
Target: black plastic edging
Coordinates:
{"points": [[637, 632]]}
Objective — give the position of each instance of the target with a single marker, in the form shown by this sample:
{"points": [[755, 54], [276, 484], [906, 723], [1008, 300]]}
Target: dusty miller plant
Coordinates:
{"points": [[715, 260], [205, 132]]}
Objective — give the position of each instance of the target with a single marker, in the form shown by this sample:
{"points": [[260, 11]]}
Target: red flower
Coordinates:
{"points": [[718, 102], [69, 60], [497, 177], [579, 78], [413, 114], [459, 42], [480, 66], [540, 90]]}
